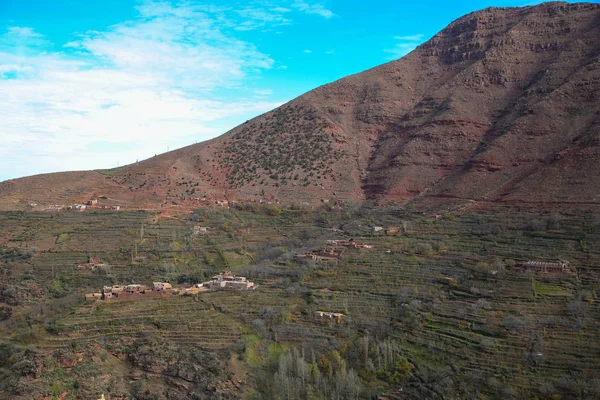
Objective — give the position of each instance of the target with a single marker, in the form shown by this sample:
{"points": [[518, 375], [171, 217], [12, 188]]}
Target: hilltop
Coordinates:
{"points": [[500, 106]]}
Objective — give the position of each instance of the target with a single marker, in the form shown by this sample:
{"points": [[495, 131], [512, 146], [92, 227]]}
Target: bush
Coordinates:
{"points": [[273, 209], [515, 324], [536, 225]]}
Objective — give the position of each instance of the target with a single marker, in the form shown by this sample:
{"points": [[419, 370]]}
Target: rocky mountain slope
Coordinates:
{"points": [[500, 106]]}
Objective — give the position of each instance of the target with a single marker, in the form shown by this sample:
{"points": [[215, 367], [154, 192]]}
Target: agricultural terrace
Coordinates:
{"points": [[435, 311]]}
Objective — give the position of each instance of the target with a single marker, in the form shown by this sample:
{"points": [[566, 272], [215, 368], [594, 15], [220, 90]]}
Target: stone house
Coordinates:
{"points": [[228, 281], [545, 267], [92, 264], [200, 230], [310, 256], [109, 292], [349, 243], [93, 296], [136, 288], [326, 255], [338, 318], [392, 231], [331, 251], [161, 286]]}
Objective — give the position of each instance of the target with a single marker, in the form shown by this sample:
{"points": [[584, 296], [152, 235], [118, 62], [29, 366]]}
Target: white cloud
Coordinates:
{"points": [[22, 31], [127, 92], [263, 92], [307, 51], [316, 8], [255, 18], [410, 38], [23, 37], [403, 46]]}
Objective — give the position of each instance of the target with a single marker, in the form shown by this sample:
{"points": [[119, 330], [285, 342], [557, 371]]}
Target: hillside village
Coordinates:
{"points": [[221, 282], [426, 229], [308, 276]]}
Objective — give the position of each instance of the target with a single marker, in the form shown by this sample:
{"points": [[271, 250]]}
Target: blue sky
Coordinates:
{"points": [[96, 84]]}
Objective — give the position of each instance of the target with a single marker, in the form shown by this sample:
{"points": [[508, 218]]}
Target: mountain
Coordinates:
{"points": [[500, 106]]}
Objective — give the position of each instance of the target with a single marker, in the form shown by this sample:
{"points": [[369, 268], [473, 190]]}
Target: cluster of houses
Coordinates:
{"points": [[545, 267], [332, 252], [93, 264], [77, 206], [92, 203], [204, 201], [338, 318], [133, 291], [223, 281]]}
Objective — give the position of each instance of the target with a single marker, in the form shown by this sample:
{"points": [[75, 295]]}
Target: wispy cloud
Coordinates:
{"points": [[410, 38], [403, 46], [143, 84], [263, 92], [313, 8], [260, 18]]}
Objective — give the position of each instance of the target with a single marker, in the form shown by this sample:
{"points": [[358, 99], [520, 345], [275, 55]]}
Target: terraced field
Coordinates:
{"points": [[440, 301]]}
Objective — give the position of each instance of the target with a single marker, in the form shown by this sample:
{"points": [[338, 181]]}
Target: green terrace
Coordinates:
{"points": [[441, 298]]}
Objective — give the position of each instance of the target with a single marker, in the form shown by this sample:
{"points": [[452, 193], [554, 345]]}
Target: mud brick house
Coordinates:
{"points": [[229, 281], [53, 208], [338, 318], [331, 251], [351, 244], [326, 255], [77, 207], [392, 231], [161, 286], [95, 260], [110, 292], [308, 255], [92, 264], [330, 254], [93, 296], [340, 242], [200, 230], [545, 267], [136, 288]]}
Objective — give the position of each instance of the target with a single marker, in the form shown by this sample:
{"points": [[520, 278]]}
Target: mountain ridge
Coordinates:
{"points": [[500, 106]]}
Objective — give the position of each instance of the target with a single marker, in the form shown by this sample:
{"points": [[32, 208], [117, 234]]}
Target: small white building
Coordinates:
{"points": [[78, 207], [200, 230]]}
